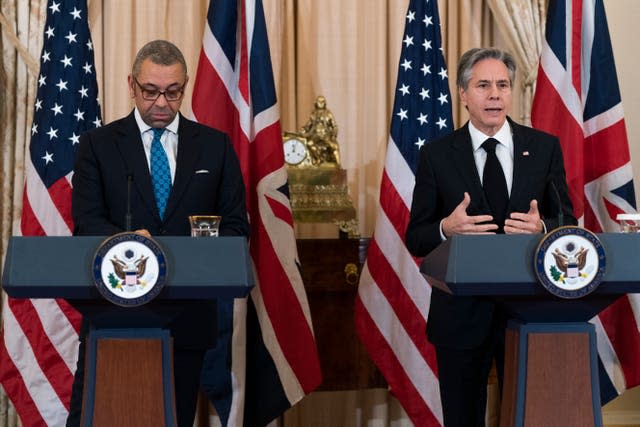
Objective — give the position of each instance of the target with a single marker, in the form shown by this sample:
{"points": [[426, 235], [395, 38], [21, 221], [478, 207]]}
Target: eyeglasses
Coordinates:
{"points": [[171, 94]]}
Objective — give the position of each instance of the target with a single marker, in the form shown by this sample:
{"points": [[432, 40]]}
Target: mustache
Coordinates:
{"points": [[156, 109]]}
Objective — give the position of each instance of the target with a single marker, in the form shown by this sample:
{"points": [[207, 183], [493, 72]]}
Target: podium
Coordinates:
{"points": [[128, 353], [551, 364]]}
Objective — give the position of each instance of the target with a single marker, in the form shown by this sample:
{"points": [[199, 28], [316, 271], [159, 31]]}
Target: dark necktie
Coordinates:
{"points": [[160, 172], [494, 184]]}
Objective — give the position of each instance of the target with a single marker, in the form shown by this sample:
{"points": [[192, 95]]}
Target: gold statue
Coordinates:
{"points": [[317, 184], [321, 132]]}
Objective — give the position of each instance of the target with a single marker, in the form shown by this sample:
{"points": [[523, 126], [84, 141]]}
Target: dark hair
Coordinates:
{"points": [[475, 55], [159, 52]]}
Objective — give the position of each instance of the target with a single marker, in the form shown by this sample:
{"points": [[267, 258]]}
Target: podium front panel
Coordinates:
{"points": [[475, 265], [60, 267]]}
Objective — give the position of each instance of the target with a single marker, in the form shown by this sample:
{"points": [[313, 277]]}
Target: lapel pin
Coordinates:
{"points": [[525, 153]]}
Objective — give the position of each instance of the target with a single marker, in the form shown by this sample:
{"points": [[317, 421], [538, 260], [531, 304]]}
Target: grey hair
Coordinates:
{"points": [[160, 52], [475, 55]]}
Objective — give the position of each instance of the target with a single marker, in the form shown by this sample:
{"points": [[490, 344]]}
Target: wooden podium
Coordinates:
{"points": [[128, 362], [551, 365]]}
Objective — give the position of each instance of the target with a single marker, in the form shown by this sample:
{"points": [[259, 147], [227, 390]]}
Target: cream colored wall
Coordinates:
{"points": [[623, 17]]}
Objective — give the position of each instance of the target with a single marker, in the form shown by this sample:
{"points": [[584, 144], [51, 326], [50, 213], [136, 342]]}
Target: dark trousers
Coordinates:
{"points": [[187, 364], [463, 375]]}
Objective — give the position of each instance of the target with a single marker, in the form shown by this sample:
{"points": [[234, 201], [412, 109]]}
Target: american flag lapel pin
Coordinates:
{"points": [[525, 153]]}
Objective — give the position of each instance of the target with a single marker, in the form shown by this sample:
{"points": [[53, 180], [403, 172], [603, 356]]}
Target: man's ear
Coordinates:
{"points": [[132, 89], [463, 96]]}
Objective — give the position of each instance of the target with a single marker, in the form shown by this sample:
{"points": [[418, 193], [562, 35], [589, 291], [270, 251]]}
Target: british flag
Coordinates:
{"points": [[39, 344], [234, 92], [393, 297], [578, 99]]}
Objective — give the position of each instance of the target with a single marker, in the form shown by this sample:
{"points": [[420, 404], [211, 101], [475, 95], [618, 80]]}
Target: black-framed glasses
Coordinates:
{"points": [[171, 94]]}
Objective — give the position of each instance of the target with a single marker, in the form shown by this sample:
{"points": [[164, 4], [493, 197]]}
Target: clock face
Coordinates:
{"points": [[294, 151]]}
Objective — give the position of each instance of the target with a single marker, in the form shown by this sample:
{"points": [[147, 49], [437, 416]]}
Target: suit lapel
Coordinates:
{"points": [[188, 153], [523, 155], [466, 166], [129, 144]]}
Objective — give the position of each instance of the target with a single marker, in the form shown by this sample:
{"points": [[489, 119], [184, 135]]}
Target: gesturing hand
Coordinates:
{"points": [[458, 222], [529, 222]]}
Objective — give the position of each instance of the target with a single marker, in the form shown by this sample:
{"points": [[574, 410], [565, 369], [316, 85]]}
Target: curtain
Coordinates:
{"points": [[522, 23], [22, 28], [345, 51]]}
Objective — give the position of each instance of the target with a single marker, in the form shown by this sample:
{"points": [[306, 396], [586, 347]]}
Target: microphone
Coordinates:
{"points": [[127, 215], [558, 201]]}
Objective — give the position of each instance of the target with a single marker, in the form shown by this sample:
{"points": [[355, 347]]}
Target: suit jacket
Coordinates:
{"points": [[207, 181], [446, 170]]}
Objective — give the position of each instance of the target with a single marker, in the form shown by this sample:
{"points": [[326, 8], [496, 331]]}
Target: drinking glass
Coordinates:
{"points": [[204, 225]]}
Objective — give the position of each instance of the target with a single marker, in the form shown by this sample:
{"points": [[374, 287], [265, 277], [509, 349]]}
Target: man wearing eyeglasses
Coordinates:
{"points": [[175, 168]]}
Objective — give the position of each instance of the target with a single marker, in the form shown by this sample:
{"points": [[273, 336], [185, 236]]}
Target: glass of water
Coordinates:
{"points": [[204, 225], [629, 223]]}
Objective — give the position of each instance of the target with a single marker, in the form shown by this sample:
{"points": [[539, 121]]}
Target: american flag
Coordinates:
{"points": [[393, 297], [39, 344], [234, 92], [577, 98]]}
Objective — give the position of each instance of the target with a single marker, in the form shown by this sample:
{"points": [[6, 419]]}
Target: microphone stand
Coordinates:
{"points": [[127, 216], [559, 202]]}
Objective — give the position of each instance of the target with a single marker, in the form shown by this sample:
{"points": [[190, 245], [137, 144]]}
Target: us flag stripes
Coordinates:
{"points": [[577, 98], [234, 92], [39, 344], [393, 297]]}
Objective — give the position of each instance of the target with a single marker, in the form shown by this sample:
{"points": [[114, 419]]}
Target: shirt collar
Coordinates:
{"points": [[503, 136], [173, 126]]}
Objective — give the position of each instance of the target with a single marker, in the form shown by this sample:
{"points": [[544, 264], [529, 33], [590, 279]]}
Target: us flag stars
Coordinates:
{"points": [[67, 97], [419, 118]]}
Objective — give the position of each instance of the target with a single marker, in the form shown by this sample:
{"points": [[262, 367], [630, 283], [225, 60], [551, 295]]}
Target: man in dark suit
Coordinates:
{"points": [[466, 186], [202, 177]]}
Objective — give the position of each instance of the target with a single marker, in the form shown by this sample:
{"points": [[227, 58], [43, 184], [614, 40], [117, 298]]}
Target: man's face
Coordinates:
{"points": [[488, 95], [154, 78]]}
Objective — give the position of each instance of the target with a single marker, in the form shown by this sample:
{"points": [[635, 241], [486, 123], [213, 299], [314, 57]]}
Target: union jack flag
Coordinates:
{"points": [[39, 345], [578, 99], [393, 297], [234, 92]]}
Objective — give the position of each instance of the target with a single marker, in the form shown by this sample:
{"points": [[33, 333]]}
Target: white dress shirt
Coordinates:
{"points": [[504, 151]]}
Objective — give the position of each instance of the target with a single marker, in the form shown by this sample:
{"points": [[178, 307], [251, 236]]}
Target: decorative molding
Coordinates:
{"points": [[621, 418]]}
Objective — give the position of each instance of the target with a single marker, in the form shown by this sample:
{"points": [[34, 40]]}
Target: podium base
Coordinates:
{"points": [[551, 376], [128, 378]]}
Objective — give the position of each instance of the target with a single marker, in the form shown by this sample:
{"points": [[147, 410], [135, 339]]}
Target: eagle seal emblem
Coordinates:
{"points": [[570, 262], [129, 269]]}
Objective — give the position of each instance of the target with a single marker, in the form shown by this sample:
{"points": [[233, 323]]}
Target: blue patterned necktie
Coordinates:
{"points": [[160, 172]]}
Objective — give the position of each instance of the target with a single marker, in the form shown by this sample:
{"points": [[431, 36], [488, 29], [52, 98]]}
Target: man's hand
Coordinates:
{"points": [[143, 232], [461, 223], [529, 222]]}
